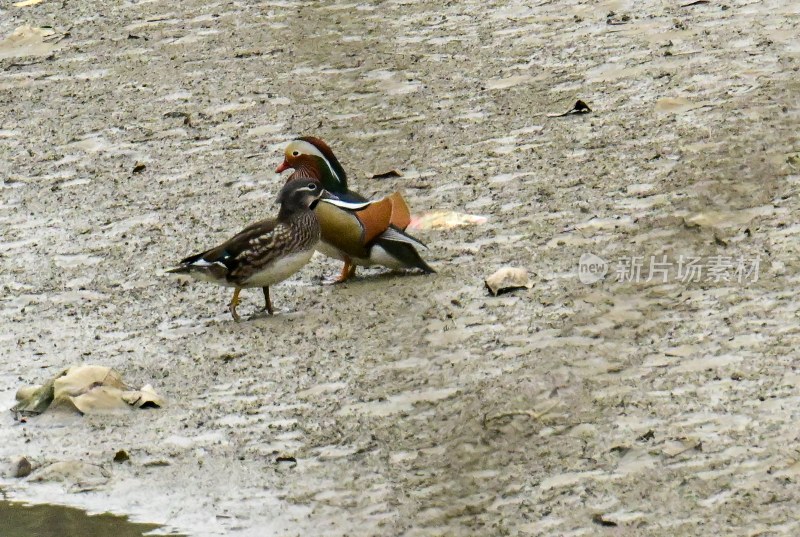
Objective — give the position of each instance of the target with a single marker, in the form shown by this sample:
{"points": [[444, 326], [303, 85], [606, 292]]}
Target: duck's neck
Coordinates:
{"points": [[291, 214]]}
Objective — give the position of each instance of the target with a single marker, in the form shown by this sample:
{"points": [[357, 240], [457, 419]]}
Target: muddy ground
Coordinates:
{"points": [[414, 405]]}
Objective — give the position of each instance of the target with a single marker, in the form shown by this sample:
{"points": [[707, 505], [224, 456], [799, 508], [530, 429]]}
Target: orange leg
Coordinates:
{"points": [[234, 303], [348, 271]]}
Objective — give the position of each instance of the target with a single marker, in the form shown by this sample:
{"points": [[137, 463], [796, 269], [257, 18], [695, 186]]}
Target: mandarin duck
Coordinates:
{"points": [[264, 253], [354, 230]]}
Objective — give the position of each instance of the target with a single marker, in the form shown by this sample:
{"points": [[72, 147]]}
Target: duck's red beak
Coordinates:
{"points": [[283, 167]]}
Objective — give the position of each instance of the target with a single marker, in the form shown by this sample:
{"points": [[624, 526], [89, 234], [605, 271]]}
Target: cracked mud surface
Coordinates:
{"points": [[413, 405]]}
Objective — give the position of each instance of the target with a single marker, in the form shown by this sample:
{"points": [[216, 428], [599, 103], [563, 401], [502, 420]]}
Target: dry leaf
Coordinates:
{"points": [[80, 379], [90, 389], [100, 400], [387, 175], [144, 398], [444, 220], [26, 392], [33, 400], [27, 3], [580, 107], [27, 41], [507, 279]]}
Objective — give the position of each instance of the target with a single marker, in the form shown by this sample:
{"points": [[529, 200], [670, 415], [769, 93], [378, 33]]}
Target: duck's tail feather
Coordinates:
{"points": [[394, 234], [402, 247], [200, 268]]}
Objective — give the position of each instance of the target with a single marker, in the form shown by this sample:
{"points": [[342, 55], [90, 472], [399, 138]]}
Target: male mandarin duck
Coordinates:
{"points": [[354, 230], [264, 253]]}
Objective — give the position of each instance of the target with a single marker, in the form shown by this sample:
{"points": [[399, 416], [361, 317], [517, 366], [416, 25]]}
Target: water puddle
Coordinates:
{"points": [[21, 520]]}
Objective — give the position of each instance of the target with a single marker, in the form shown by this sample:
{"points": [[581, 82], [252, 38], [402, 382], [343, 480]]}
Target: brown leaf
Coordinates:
{"points": [[387, 175], [28, 41], [508, 279], [579, 108], [444, 220]]}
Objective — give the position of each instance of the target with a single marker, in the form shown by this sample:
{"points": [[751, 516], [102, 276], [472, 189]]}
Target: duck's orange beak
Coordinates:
{"points": [[283, 167]]}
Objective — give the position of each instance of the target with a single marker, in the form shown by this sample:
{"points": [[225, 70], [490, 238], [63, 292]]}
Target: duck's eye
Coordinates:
{"points": [[295, 153], [312, 187]]}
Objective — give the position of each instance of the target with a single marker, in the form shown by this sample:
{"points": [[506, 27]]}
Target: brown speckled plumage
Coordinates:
{"points": [[266, 252], [267, 242]]}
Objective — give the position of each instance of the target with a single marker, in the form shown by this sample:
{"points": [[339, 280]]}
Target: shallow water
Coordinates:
{"points": [[20, 520], [417, 406]]}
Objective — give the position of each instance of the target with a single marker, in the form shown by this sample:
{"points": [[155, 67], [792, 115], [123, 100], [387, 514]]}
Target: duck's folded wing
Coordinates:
{"points": [[375, 219], [371, 218], [225, 258], [401, 214], [341, 228], [398, 212]]}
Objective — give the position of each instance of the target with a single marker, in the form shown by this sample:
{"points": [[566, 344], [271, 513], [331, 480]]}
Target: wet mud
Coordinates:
{"points": [[643, 403]]}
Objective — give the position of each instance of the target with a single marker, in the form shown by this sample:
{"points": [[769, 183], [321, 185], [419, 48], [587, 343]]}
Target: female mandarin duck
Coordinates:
{"points": [[264, 253], [355, 230]]}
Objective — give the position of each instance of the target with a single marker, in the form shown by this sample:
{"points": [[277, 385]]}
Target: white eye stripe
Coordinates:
{"points": [[305, 148], [310, 187]]}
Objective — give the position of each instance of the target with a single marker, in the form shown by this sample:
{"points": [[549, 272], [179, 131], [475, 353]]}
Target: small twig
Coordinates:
{"points": [[687, 53], [17, 65], [537, 416]]}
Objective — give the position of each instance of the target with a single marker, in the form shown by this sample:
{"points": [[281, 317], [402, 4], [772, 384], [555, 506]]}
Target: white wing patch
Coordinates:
{"points": [[202, 263], [353, 206]]}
